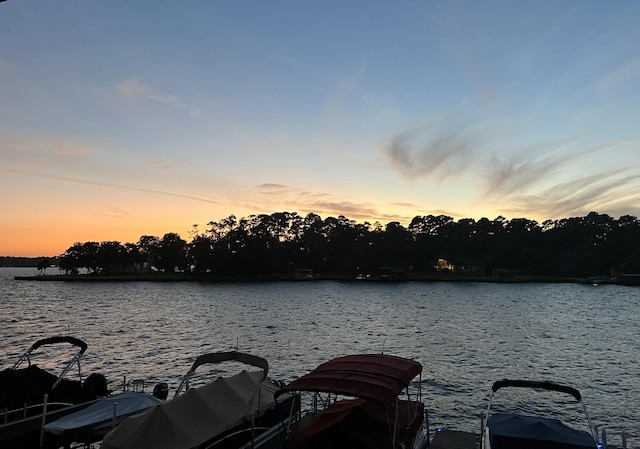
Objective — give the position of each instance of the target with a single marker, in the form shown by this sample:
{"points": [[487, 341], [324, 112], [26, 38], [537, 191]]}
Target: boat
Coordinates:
{"points": [[92, 423], [224, 413], [356, 401], [524, 431], [30, 395]]}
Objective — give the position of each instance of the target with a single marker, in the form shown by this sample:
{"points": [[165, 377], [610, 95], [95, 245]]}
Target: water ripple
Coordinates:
{"points": [[465, 335]]}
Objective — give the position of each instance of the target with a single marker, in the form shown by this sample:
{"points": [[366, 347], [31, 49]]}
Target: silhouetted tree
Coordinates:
{"points": [[110, 257], [267, 244], [43, 264], [200, 254], [149, 248], [172, 253]]}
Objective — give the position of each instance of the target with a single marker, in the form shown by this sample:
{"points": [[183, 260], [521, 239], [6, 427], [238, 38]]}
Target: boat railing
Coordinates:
{"points": [[222, 441], [278, 432], [28, 411]]}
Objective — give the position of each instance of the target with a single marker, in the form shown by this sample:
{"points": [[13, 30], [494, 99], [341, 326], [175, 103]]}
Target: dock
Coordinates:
{"points": [[454, 439]]}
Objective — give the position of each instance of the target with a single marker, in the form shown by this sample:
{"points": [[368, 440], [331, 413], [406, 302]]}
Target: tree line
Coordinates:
{"points": [[282, 242]]}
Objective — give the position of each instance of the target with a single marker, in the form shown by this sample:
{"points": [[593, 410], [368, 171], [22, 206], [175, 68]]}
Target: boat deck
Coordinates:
{"points": [[454, 439]]}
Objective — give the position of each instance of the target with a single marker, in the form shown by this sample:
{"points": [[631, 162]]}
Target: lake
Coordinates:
{"points": [[466, 335]]}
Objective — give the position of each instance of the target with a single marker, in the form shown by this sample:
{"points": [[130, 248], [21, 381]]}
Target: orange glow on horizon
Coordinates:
{"points": [[54, 238], [51, 242]]}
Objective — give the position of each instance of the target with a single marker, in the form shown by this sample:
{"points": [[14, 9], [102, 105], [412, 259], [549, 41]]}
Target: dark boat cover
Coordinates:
{"points": [[508, 431], [29, 385], [376, 377], [356, 424], [344, 421]]}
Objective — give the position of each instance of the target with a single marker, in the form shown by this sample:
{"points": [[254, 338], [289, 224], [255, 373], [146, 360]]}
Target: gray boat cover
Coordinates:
{"points": [[197, 416], [101, 413], [509, 431]]}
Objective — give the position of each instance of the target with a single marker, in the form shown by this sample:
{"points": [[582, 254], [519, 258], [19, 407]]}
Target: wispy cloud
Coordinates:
{"points": [[167, 99], [30, 147], [520, 174], [346, 208], [619, 76], [535, 165], [539, 183], [268, 187], [115, 213], [422, 151], [591, 193], [540, 178], [70, 149], [134, 88], [284, 197], [110, 185], [167, 165], [15, 145]]}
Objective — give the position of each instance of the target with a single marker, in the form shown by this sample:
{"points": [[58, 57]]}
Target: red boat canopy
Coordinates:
{"points": [[377, 377]]}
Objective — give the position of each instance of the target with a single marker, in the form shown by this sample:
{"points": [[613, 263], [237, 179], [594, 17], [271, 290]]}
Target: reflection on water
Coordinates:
{"points": [[465, 335]]}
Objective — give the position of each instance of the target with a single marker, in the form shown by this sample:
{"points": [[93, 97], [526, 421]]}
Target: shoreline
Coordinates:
{"points": [[184, 277]]}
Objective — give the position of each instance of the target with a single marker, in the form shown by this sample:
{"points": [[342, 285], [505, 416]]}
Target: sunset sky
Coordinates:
{"points": [[127, 118]]}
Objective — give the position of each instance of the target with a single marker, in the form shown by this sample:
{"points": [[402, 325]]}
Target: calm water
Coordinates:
{"points": [[465, 335]]}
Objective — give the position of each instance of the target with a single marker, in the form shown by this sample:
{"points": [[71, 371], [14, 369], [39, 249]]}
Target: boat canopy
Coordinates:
{"points": [[551, 386], [219, 357], [376, 377], [198, 415], [60, 339]]}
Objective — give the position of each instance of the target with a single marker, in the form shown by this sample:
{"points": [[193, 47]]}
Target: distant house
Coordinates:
{"points": [[443, 265]]}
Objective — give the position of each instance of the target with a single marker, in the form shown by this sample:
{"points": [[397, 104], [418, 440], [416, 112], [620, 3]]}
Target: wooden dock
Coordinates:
{"points": [[454, 439]]}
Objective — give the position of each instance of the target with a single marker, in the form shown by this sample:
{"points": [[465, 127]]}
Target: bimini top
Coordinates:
{"points": [[544, 385], [377, 377]]}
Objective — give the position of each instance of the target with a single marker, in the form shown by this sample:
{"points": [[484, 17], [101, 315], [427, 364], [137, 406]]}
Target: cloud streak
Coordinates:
{"points": [[521, 173], [133, 88], [593, 193], [110, 185], [515, 181], [325, 204], [421, 152], [540, 178]]}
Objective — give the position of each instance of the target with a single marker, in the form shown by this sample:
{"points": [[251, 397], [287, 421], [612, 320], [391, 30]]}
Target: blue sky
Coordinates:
{"points": [[119, 119]]}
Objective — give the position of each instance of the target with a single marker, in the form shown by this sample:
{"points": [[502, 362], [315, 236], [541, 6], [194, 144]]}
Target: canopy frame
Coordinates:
{"points": [[377, 377], [540, 385], [53, 341], [220, 357]]}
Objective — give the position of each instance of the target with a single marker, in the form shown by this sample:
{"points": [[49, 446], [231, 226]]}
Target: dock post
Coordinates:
{"points": [[44, 419]]}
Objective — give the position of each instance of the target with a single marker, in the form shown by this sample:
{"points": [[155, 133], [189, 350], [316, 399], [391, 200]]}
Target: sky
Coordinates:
{"points": [[127, 118]]}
